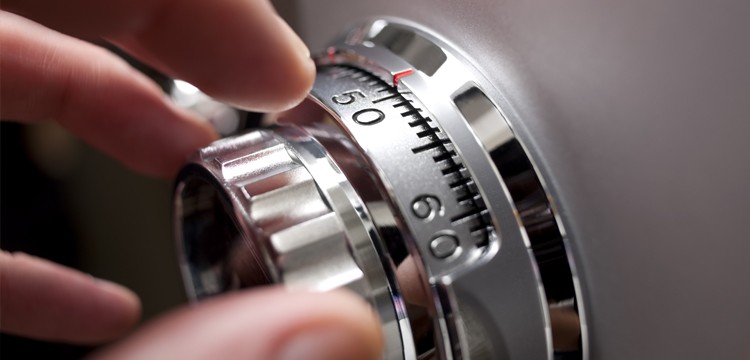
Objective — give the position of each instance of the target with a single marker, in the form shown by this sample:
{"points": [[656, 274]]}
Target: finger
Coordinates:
{"points": [[239, 51], [412, 285], [269, 324], [43, 300], [85, 18], [94, 94]]}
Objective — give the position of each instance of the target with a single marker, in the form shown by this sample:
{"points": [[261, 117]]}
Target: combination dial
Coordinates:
{"points": [[400, 178]]}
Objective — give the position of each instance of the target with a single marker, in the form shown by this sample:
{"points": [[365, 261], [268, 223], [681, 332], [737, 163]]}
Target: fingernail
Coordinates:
{"points": [[110, 286], [122, 294], [327, 344], [302, 50]]}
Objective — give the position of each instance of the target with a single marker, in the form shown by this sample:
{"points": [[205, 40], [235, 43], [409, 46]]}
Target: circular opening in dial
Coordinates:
{"points": [[216, 257]]}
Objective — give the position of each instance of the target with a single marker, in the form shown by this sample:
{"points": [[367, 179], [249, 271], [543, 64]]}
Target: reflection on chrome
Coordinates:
{"points": [[402, 179]]}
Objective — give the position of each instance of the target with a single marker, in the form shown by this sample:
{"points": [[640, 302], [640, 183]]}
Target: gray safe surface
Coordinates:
{"points": [[638, 113]]}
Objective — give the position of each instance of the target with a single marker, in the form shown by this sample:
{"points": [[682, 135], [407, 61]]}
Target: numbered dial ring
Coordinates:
{"points": [[401, 180], [421, 170]]}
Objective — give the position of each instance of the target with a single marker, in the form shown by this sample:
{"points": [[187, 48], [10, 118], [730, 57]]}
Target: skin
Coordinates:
{"points": [[238, 51]]}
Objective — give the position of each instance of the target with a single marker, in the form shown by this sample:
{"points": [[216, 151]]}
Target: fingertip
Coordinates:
{"points": [[352, 331], [289, 88], [174, 137], [128, 304], [275, 79], [97, 96], [280, 72], [336, 325], [268, 323], [47, 301], [239, 52]]}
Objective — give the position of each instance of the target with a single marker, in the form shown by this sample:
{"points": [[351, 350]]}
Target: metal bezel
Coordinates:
{"points": [[448, 81]]}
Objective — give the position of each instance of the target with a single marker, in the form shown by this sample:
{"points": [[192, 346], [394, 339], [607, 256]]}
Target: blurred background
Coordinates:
{"points": [[65, 202]]}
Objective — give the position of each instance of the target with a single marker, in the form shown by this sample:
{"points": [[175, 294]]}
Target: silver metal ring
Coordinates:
{"points": [[401, 179]]}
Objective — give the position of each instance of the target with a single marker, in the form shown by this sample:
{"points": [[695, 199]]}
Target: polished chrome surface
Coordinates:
{"points": [[272, 207], [444, 86], [415, 161], [419, 196], [637, 114]]}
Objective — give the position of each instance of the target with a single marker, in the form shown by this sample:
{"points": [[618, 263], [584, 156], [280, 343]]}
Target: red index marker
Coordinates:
{"points": [[331, 52], [397, 76]]}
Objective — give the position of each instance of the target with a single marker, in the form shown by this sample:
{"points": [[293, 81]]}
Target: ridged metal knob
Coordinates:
{"points": [[292, 218], [400, 171]]}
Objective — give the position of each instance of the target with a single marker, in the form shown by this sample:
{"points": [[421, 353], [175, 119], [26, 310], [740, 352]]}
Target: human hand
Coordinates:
{"points": [[45, 300], [237, 51]]}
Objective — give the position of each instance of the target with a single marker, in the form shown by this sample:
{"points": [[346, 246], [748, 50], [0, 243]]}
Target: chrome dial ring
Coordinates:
{"points": [[442, 214]]}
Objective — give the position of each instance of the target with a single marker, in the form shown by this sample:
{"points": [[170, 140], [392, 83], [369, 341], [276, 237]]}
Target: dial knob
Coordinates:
{"points": [[401, 179], [285, 213]]}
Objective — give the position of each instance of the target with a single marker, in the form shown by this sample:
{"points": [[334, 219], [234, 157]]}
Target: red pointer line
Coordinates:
{"points": [[331, 52], [397, 76]]}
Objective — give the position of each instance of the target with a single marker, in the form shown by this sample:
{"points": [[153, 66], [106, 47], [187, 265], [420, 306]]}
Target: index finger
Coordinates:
{"points": [[238, 51]]}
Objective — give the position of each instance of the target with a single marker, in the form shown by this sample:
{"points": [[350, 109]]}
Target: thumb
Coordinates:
{"points": [[264, 324]]}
